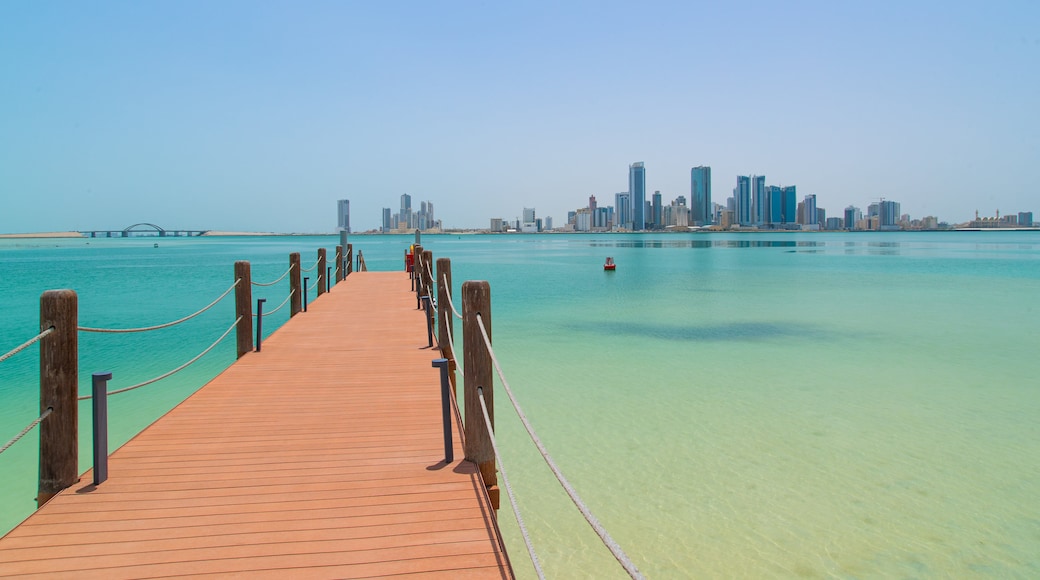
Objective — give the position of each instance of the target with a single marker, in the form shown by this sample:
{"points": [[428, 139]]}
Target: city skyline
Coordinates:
{"points": [[210, 116]]}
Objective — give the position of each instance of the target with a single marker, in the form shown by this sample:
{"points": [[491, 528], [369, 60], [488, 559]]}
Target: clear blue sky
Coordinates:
{"points": [[260, 115]]}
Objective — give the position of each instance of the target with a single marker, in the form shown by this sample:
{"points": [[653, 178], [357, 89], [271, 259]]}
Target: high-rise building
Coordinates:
{"points": [[592, 203], [853, 215], [406, 212], [701, 208], [783, 207], [790, 195], [810, 217], [530, 225], [759, 201], [1025, 219], [623, 210], [637, 189], [548, 223], [742, 196], [657, 210], [888, 215], [344, 216], [387, 224]]}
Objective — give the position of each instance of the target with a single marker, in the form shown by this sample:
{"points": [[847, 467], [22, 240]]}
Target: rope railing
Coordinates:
{"points": [[168, 324], [509, 488], [174, 371], [280, 305], [609, 542], [280, 278], [315, 284], [25, 431], [26, 344], [451, 343], [312, 267], [447, 291]]}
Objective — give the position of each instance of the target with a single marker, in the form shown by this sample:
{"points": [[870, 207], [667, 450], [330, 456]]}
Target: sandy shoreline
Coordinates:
{"points": [[44, 235]]}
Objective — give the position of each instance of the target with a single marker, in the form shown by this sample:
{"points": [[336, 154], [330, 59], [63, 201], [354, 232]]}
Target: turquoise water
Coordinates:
{"points": [[779, 405]]}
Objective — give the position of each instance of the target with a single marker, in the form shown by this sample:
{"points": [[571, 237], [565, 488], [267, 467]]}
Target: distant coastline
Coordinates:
{"points": [[220, 233]]}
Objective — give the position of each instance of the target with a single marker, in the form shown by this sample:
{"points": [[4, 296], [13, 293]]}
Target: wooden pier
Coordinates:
{"points": [[320, 456]]}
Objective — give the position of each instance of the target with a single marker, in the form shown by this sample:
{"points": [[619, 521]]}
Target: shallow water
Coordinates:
{"points": [[728, 404]]}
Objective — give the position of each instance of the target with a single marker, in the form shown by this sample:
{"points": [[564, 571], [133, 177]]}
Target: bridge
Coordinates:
{"points": [[142, 229]]}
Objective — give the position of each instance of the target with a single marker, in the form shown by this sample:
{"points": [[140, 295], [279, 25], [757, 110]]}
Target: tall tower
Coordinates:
{"points": [[811, 217], [344, 216], [743, 197], [657, 210], [406, 211], [700, 196], [790, 204], [759, 201], [637, 189], [623, 210]]}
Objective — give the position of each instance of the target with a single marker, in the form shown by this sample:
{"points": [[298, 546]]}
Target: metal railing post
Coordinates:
{"points": [[449, 452], [427, 307], [305, 280], [259, 321], [99, 399]]}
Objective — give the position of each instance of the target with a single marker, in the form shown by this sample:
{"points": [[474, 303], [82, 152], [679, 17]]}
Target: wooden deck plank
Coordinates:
{"points": [[321, 456]]}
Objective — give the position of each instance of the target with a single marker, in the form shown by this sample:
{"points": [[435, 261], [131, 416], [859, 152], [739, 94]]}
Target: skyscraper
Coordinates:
{"points": [[406, 211], [701, 208], [783, 207], [387, 224], [344, 216], [888, 215], [623, 210], [810, 217], [657, 210], [742, 194], [853, 215], [637, 189], [790, 204], [759, 201]]}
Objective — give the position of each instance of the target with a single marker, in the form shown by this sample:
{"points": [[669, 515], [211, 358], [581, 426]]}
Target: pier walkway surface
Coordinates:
{"points": [[320, 456]]}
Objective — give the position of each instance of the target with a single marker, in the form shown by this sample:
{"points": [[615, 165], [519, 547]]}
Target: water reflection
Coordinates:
{"points": [[706, 244]]}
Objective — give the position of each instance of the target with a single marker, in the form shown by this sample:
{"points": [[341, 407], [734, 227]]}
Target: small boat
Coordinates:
{"points": [[609, 264]]}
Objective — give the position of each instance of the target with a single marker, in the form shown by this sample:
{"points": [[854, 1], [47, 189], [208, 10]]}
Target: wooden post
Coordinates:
{"points": [[445, 317], [59, 387], [296, 302], [322, 282], [445, 320], [350, 259], [339, 264], [476, 299], [428, 285], [244, 307], [417, 257]]}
